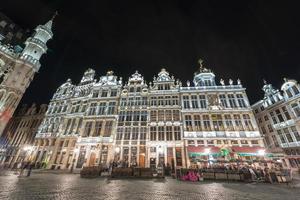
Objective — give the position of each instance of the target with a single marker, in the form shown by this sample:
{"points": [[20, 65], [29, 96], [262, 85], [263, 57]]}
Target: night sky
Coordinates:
{"points": [[251, 41]]}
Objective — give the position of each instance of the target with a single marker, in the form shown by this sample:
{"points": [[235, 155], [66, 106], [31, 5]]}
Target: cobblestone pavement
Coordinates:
{"points": [[68, 186]]}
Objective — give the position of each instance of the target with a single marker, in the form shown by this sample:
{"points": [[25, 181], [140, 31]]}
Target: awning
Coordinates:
{"points": [[202, 151], [247, 151]]}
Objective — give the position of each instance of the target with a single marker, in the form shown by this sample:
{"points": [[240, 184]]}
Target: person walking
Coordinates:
{"points": [[29, 167]]}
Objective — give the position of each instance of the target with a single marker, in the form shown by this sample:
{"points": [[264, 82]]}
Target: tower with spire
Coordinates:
{"points": [[17, 69]]}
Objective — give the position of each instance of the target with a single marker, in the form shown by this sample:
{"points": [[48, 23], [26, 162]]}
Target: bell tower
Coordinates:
{"points": [[17, 69]]}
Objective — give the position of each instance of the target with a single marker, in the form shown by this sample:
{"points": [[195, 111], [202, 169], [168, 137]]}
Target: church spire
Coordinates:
{"points": [[50, 22], [35, 46]]}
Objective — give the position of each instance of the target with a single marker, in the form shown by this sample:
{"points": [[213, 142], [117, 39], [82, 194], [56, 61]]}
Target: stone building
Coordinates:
{"points": [[278, 118], [165, 135], [11, 33], [18, 137], [218, 121], [17, 69], [100, 121]]}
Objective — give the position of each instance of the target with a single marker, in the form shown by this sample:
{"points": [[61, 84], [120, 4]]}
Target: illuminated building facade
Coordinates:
{"points": [[278, 118], [101, 121]]}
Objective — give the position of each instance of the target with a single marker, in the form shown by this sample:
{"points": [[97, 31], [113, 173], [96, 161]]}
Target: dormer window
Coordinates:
{"points": [[288, 92], [138, 89], [104, 93], [295, 89], [113, 93]]}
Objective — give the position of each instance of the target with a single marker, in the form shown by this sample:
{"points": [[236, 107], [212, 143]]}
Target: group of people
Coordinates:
{"points": [[24, 166], [251, 172]]}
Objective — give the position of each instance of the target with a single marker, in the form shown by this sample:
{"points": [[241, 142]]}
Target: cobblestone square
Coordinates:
{"points": [[69, 186]]}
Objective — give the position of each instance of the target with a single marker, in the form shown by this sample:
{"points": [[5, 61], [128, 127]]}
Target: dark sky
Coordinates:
{"points": [[237, 39]]}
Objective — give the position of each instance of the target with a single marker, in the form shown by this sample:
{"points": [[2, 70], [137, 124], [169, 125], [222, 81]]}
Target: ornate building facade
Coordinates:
{"points": [[278, 118], [17, 69], [100, 121], [19, 134]]}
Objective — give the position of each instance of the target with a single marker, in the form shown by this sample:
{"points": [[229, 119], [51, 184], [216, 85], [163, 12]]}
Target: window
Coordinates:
{"points": [[241, 100], [197, 122], [200, 142], [174, 100], [134, 133], [66, 143], [153, 115], [270, 128], [286, 113], [168, 114], [263, 130], [279, 115], [144, 101], [169, 133], [295, 132], [168, 101], [202, 101], [88, 128], [288, 135], [123, 102], [113, 93], [68, 125], [296, 109], [217, 122], [160, 101], [188, 123], [232, 102], [206, 123], [273, 117], [95, 93], [186, 102], [177, 134], [266, 118], [92, 110], [153, 101], [194, 101], [248, 123], [111, 108], [153, 133], [161, 133], [136, 116], [275, 141], [143, 131], [223, 100], [143, 116], [161, 115], [282, 139], [102, 107], [98, 128], [104, 93], [210, 142], [122, 116], [295, 89], [191, 142], [238, 122], [127, 133], [129, 116], [289, 93], [108, 128], [228, 122], [176, 116]]}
